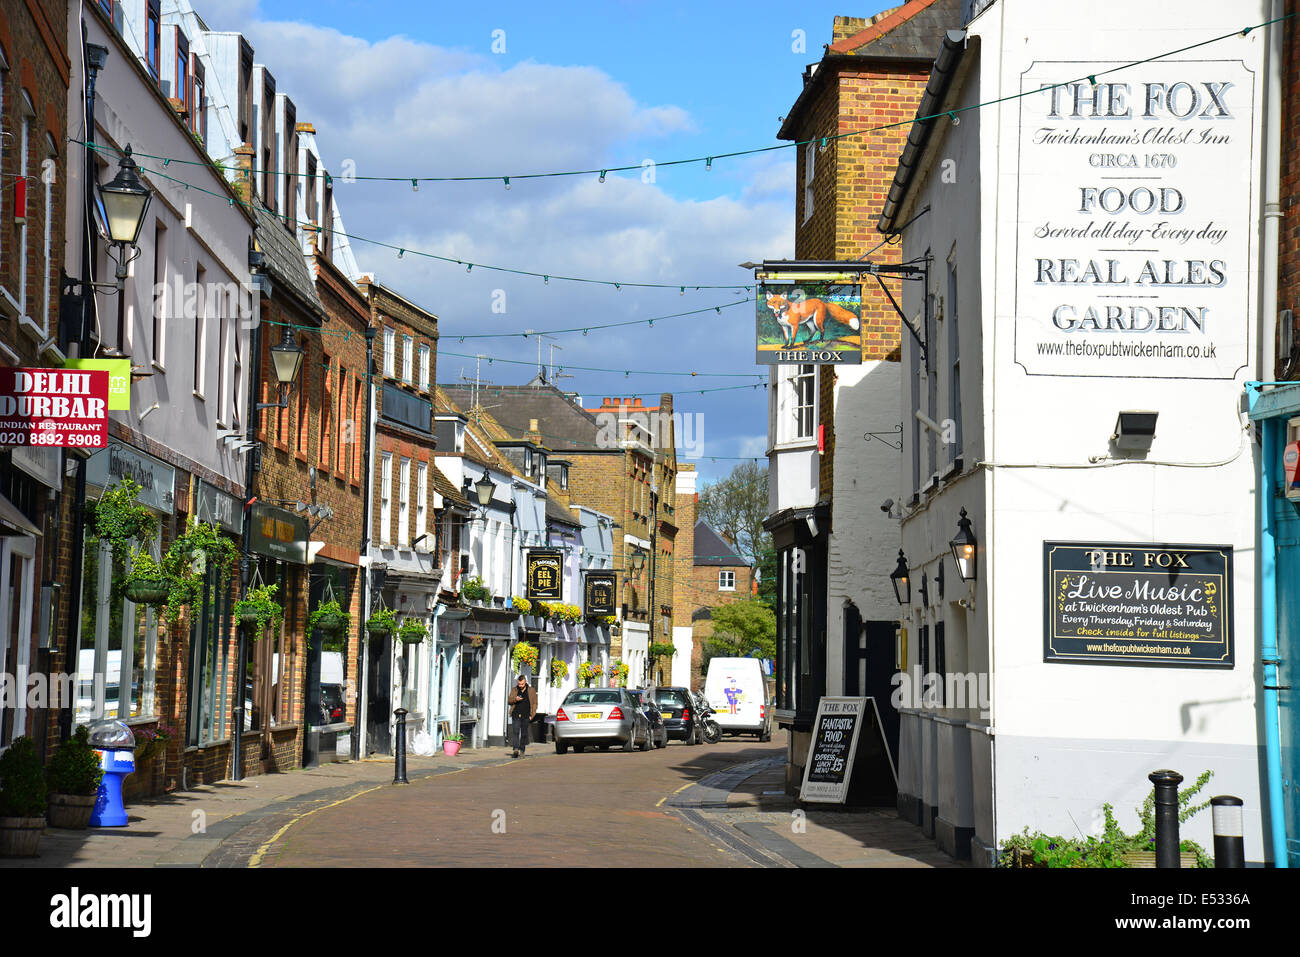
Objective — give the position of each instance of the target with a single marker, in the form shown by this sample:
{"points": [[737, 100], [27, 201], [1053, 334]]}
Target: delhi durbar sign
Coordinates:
{"points": [[54, 407]]}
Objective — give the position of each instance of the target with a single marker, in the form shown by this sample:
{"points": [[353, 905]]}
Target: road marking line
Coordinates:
{"points": [[660, 802]]}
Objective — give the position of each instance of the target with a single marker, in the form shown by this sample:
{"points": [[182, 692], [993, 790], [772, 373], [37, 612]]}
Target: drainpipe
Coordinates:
{"points": [[359, 725], [1268, 650], [434, 656]]}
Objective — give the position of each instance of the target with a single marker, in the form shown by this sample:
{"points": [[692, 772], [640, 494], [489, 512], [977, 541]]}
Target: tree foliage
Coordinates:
{"points": [[740, 628], [736, 506]]}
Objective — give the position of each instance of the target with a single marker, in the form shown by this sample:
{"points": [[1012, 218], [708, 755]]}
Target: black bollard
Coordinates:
{"points": [[399, 752], [1166, 783], [1229, 845]]}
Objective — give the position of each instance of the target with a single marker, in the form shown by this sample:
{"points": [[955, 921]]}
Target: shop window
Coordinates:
{"points": [[212, 655], [117, 644]]}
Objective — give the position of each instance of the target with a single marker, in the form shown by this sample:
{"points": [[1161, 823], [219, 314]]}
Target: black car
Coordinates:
{"points": [[658, 729], [677, 708]]}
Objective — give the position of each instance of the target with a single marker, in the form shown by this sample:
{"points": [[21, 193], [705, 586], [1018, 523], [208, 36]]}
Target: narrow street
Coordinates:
{"points": [[598, 809]]}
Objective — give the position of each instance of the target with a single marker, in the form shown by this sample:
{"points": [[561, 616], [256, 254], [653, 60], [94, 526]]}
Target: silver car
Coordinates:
{"points": [[600, 716]]}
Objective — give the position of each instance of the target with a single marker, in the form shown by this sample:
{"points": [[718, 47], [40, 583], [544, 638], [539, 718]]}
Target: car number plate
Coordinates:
{"points": [[589, 714], [665, 715]]}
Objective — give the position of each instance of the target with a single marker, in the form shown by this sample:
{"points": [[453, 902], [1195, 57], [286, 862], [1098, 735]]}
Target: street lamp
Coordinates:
{"points": [[963, 549], [286, 361], [124, 201], [485, 488], [901, 581]]}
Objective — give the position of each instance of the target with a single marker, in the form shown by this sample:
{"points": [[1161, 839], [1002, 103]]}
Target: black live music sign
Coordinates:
{"points": [[598, 593], [545, 574], [1138, 604]]}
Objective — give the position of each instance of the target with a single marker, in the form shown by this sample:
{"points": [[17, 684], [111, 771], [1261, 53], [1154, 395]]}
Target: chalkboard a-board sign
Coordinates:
{"points": [[827, 773]]}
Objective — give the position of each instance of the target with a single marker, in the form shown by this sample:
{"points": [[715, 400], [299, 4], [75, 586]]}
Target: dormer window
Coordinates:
{"points": [[564, 477]]}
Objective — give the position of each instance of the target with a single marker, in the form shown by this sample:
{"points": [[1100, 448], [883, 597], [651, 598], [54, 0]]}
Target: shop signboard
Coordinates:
{"points": [[53, 408], [811, 322], [544, 567], [277, 533], [1138, 604], [598, 593], [827, 773], [216, 507], [156, 479]]}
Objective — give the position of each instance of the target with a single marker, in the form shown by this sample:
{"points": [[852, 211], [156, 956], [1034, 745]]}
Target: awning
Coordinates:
{"points": [[14, 522]]}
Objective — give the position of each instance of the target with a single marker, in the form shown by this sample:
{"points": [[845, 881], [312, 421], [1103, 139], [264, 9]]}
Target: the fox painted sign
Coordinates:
{"points": [[810, 323]]}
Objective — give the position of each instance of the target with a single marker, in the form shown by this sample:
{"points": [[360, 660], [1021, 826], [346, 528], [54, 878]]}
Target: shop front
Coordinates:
{"points": [[485, 676], [117, 648], [26, 599], [213, 649], [275, 669]]}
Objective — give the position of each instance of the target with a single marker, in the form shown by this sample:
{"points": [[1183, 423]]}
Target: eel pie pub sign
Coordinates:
{"points": [[54, 407], [1136, 207]]}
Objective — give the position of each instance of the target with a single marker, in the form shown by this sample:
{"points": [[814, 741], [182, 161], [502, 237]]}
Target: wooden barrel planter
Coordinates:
{"points": [[70, 811], [20, 836]]}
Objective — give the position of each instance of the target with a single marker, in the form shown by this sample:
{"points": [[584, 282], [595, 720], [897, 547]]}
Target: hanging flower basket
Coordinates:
{"points": [[382, 623], [524, 654], [329, 619], [259, 610], [412, 632], [147, 591]]}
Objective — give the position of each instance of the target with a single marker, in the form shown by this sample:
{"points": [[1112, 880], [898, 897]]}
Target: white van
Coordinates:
{"points": [[738, 694]]}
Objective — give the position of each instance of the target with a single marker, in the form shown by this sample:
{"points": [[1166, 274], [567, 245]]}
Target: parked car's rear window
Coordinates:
{"points": [[592, 697], [669, 699]]}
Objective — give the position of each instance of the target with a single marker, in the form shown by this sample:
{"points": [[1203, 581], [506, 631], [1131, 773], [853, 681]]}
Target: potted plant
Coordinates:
{"points": [[73, 777], [543, 609], [475, 592], [22, 800], [589, 672], [412, 631], [451, 744], [524, 654], [332, 620], [521, 605], [118, 519], [559, 671], [618, 672], [382, 623], [259, 611], [147, 582], [150, 755]]}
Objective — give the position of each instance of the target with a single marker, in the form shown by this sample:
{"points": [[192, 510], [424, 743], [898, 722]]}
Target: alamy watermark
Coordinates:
{"points": [[655, 430], [915, 688]]}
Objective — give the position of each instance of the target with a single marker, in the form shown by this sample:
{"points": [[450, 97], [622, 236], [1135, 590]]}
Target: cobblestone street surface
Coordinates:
{"points": [[720, 805]]}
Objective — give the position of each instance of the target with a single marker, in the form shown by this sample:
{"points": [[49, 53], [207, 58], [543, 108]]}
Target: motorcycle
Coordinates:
{"points": [[708, 729]]}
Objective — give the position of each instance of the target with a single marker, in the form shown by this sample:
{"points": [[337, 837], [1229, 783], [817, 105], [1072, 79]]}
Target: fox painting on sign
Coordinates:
{"points": [[809, 322]]}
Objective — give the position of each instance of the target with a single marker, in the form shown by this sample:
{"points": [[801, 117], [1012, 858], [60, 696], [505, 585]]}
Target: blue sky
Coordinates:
{"points": [[416, 89]]}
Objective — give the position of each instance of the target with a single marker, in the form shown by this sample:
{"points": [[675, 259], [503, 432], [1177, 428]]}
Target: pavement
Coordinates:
{"points": [[595, 809]]}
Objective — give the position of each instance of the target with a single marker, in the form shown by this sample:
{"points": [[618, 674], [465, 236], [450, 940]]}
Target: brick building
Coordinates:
{"points": [[405, 500], [832, 561], [36, 499]]}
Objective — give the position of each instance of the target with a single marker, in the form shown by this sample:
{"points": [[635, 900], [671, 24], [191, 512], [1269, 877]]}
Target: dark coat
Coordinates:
{"points": [[532, 700]]}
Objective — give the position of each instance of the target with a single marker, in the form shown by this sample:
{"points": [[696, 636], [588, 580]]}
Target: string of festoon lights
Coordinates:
{"points": [[708, 159]]}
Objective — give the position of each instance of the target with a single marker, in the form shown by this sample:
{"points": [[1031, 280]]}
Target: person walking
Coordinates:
{"points": [[523, 708]]}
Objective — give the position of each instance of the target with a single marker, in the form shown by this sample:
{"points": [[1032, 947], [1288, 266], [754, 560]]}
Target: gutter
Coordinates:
{"points": [[936, 92]]}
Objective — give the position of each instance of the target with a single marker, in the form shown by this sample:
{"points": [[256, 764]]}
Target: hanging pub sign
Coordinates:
{"points": [[278, 533], [54, 407], [811, 322], [1138, 604], [544, 577], [598, 593]]}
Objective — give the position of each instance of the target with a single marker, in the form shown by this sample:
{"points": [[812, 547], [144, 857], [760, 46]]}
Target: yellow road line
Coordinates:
{"points": [[660, 802]]}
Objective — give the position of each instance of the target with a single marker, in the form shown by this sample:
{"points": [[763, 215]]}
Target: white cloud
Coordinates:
{"points": [[402, 106]]}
